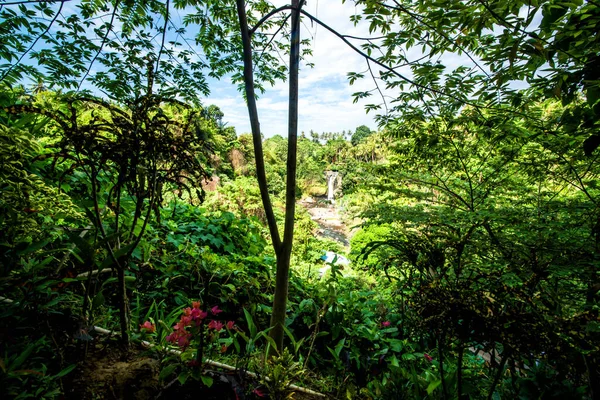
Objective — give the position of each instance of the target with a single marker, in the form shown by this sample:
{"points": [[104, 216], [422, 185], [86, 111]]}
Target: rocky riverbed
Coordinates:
{"points": [[328, 218]]}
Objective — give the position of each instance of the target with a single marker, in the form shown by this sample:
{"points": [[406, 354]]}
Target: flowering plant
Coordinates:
{"points": [[196, 334], [148, 327]]}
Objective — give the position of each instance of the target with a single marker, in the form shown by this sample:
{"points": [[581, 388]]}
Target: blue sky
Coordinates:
{"points": [[325, 101], [325, 98]]}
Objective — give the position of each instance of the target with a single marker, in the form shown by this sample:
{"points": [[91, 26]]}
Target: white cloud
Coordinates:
{"points": [[325, 98]]}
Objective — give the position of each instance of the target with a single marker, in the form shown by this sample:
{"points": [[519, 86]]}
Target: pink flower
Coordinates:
{"points": [[259, 392], [385, 324], [216, 325], [148, 326], [179, 326], [179, 337], [186, 320], [428, 357], [215, 310], [230, 324], [184, 341], [198, 314]]}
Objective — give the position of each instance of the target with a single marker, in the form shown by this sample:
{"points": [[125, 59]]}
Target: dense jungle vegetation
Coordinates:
{"points": [[148, 250]]}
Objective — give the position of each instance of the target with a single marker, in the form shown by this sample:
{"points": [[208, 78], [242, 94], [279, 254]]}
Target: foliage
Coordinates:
{"points": [[361, 133], [195, 329], [279, 372], [540, 44], [475, 266], [484, 247]]}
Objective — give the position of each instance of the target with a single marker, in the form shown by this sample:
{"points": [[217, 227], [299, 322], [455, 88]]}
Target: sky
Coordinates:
{"points": [[325, 97]]}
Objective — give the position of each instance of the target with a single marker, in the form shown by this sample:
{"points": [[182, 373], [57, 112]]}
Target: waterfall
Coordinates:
{"points": [[332, 185]]}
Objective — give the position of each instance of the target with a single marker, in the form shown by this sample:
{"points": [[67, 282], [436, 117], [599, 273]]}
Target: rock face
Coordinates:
{"points": [[334, 185], [211, 184]]}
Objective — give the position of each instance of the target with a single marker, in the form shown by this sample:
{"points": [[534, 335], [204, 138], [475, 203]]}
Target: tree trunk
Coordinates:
{"points": [[283, 248], [123, 314], [259, 160], [283, 256]]}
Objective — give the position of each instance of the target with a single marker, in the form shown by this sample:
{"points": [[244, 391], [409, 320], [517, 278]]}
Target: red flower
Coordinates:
{"points": [[259, 392], [385, 324], [148, 326], [179, 326], [216, 325], [223, 349], [198, 314], [184, 341], [186, 320], [193, 363], [230, 324], [215, 310], [428, 357], [195, 304], [179, 337]]}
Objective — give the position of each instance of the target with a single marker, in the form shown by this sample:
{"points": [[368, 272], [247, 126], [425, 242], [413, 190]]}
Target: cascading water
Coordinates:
{"points": [[331, 185]]}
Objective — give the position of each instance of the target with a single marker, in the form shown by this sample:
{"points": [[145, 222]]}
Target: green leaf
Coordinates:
{"points": [[250, 322], [339, 347], [34, 247], [183, 377], [167, 371], [66, 371], [433, 385], [98, 300], [207, 380], [23, 356]]}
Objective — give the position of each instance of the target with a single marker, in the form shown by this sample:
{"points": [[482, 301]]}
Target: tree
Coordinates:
{"points": [[129, 156], [503, 43], [484, 218], [499, 37], [283, 247], [360, 134]]}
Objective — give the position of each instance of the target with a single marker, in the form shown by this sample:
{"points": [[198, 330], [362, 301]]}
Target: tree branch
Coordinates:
{"points": [[12, 3], [420, 19], [266, 17], [108, 30], [34, 43], [391, 70], [377, 86], [261, 175], [162, 44], [272, 38]]}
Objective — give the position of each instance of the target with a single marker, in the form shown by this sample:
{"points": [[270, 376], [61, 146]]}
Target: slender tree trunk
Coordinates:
{"points": [[283, 248], [121, 291], [505, 356], [441, 340], [259, 160], [283, 257], [123, 314], [459, 368]]}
